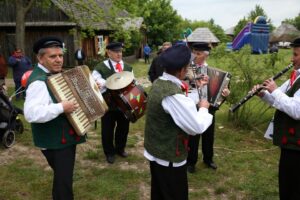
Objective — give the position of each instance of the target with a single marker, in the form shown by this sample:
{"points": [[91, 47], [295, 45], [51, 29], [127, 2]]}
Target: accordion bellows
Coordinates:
{"points": [[78, 85]]}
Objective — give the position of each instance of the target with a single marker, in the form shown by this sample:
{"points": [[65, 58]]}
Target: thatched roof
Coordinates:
{"points": [[96, 14], [203, 35], [284, 33], [230, 31]]}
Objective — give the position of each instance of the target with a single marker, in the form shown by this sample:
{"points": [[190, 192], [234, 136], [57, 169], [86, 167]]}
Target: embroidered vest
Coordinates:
{"points": [[163, 138], [107, 71], [286, 129], [57, 133]]}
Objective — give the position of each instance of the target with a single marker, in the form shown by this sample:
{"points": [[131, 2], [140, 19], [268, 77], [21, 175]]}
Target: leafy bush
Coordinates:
{"points": [[248, 70]]}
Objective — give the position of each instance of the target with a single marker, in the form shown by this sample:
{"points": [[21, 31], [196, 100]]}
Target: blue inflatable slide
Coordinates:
{"points": [[256, 34]]}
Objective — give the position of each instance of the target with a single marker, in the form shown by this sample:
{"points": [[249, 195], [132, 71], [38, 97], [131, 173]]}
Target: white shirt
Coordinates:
{"points": [[38, 105], [98, 77], [184, 113], [279, 100]]}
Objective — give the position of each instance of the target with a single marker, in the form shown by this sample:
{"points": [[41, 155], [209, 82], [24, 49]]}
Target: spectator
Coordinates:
{"points": [[19, 64], [3, 70], [79, 56], [147, 51], [156, 70]]}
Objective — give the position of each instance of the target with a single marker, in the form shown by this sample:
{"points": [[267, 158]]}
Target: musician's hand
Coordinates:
{"points": [[255, 88], [270, 85], [203, 103], [202, 80], [225, 92], [69, 106], [99, 85]]}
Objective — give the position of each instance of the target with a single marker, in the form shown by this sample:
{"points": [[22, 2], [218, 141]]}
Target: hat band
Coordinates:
{"points": [[52, 44]]}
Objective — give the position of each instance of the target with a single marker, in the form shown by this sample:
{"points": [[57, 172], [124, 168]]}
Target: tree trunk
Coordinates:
{"points": [[21, 11], [20, 25]]}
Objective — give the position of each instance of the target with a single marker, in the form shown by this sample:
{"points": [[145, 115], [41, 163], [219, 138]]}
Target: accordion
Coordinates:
{"points": [[218, 80], [78, 85]]}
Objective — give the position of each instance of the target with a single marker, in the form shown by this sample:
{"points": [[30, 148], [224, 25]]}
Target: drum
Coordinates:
{"points": [[131, 99]]}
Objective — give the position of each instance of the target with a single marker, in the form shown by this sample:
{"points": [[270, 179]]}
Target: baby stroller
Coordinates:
{"points": [[9, 120]]}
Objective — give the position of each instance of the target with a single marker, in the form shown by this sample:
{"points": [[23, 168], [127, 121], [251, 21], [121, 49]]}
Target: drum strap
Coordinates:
{"points": [[111, 66]]}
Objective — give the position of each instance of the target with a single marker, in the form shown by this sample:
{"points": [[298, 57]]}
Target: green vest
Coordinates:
{"points": [[57, 133], [163, 138], [286, 129], [107, 71]]}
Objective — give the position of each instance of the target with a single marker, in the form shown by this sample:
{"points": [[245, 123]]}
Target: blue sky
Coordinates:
{"points": [[227, 13]]}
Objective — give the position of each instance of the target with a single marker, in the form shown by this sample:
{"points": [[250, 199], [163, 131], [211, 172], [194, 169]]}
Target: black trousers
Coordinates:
{"points": [[168, 183], [289, 176], [114, 132], [207, 145], [62, 163]]}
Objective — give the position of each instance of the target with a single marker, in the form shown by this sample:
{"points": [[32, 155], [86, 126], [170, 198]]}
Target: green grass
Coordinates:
{"points": [[247, 165]]}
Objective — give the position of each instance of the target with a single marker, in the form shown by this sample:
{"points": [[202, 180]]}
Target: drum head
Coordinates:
{"points": [[119, 80]]}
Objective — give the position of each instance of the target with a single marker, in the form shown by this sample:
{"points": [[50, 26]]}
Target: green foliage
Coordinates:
{"points": [[131, 6], [240, 25], [214, 28], [161, 21], [294, 21], [131, 39], [258, 11], [248, 70]]}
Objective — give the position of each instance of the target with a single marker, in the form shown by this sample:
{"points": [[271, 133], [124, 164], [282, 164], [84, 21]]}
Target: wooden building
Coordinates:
{"points": [[61, 19]]}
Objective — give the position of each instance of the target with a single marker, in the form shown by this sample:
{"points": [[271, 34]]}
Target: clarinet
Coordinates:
{"points": [[251, 94]]}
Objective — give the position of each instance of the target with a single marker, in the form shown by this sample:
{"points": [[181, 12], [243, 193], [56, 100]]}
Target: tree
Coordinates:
{"points": [[258, 11], [214, 28], [240, 25], [161, 21], [295, 21], [22, 8]]}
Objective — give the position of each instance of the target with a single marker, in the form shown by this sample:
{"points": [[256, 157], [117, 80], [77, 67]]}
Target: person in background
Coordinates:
{"points": [[201, 53], [3, 71], [285, 128], [156, 70], [51, 130], [114, 125], [171, 117], [147, 51], [79, 56], [19, 64]]}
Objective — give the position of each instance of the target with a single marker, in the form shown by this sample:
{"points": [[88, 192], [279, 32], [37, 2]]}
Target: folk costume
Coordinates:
{"points": [[209, 134], [114, 125], [171, 117], [286, 131], [51, 131]]}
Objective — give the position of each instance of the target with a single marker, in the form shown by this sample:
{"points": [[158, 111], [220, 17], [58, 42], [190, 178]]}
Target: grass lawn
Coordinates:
{"points": [[247, 166]]}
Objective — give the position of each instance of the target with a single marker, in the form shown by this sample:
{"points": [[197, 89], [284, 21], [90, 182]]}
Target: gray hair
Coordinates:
{"points": [[42, 51]]}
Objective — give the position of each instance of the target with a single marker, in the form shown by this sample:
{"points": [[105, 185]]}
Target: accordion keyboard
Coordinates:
{"points": [[63, 92]]}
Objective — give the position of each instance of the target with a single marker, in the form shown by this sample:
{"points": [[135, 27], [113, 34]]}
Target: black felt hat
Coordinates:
{"points": [[114, 46], [296, 43], [46, 42], [175, 57], [201, 46]]}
